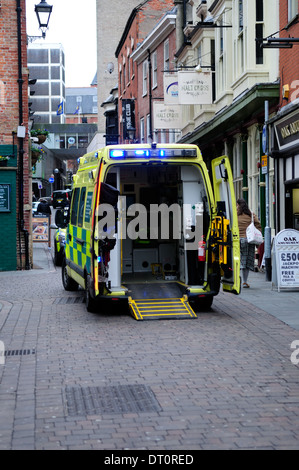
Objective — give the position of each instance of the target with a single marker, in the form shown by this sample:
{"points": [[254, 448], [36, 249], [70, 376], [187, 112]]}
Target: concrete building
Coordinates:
{"points": [[46, 64]]}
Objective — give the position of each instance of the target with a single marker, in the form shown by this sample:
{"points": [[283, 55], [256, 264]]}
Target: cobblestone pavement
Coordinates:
{"points": [[75, 380]]}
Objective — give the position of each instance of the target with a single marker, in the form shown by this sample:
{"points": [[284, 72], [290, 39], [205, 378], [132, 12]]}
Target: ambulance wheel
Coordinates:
{"points": [[92, 305], [203, 304], [68, 283]]}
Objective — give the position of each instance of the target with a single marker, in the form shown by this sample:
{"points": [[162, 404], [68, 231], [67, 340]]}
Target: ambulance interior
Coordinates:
{"points": [[159, 260]]}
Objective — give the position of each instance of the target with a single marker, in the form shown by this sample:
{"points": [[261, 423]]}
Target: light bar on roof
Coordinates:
{"points": [[153, 153]]}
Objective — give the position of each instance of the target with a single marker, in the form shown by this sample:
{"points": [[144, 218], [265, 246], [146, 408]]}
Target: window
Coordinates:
{"points": [[292, 9], [155, 70], [259, 30], [81, 207], [144, 77], [142, 131], [95, 98], [79, 99], [241, 24], [124, 76], [148, 127], [166, 55], [75, 202], [88, 207], [241, 38], [129, 69]]}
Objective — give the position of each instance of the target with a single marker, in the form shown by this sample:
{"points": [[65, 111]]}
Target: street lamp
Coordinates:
{"points": [[43, 12]]}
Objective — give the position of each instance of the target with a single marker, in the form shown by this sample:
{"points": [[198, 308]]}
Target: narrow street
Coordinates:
{"points": [[75, 380]]}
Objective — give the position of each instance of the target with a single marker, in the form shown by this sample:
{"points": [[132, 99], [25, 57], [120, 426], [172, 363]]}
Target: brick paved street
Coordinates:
{"points": [[223, 381]]}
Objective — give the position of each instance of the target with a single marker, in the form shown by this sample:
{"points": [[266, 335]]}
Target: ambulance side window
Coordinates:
{"points": [[81, 207], [75, 207], [88, 207]]}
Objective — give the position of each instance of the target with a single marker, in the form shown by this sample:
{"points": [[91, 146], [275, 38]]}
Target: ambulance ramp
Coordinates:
{"points": [[161, 309]]}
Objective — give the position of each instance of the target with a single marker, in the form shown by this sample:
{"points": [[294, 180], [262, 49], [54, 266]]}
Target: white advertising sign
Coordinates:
{"points": [[167, 116], [171, 94], [195, 87], [286, 247]]}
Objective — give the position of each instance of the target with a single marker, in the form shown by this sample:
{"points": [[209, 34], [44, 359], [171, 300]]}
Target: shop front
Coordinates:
{"points": [[285, 151]]}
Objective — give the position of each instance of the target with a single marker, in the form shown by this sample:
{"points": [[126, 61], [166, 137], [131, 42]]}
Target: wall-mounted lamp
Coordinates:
{"points": [[131, 132]]}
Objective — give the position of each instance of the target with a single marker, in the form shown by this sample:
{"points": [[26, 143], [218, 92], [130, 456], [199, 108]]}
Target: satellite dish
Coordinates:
{"points": [[110, 67]]}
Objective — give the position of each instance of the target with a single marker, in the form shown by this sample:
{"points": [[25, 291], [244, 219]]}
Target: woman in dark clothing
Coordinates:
{"points": [[247, 250]]}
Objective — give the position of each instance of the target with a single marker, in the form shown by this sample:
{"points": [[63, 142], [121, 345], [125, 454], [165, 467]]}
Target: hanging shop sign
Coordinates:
{"points": [[128, 117], [195, 87], [167, 116], [286, 259], [4, 197], [171, 92], [287, 131]]}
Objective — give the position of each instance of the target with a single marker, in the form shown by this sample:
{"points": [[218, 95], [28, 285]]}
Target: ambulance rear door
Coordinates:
{"points": [[227, 220]]}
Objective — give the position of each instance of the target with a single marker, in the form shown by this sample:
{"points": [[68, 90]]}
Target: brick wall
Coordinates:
{"points": [[144, 22], [289, 64], [9, 122]]}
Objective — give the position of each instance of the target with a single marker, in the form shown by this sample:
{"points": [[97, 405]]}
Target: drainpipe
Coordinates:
{"points": [[21, 144], [150, 95], [180, 4]]}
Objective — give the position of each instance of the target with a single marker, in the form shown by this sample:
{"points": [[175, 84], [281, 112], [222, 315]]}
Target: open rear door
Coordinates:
{"points": [[227, 211]]}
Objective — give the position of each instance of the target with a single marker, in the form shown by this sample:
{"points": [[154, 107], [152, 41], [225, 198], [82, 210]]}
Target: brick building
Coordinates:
{"points": [[154, 58], [284, 126], [15, 178], [141, 22]]}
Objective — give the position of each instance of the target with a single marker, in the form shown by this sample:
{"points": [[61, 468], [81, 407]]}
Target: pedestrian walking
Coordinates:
{"points": [[44, 207], [247, 250]]}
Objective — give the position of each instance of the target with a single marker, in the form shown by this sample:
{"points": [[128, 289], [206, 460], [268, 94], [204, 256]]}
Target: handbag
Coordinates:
{"points": [[253, 235]]}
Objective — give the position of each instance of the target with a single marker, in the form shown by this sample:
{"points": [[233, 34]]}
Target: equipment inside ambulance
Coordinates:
{"points": [[148, 226]]}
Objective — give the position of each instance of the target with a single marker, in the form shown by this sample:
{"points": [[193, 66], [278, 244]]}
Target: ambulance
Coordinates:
{"points": [[150, 230]]}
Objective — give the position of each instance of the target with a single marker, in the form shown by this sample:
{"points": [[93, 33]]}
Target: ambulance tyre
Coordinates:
{"points": [[203, 304], [68, 283], [92, 305]]}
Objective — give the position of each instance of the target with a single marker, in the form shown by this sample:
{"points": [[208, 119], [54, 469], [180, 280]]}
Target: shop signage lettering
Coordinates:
{"points": [[292, 128], [286, 247], [167, 116], [287, 131], [4, 197], [195, 87]]}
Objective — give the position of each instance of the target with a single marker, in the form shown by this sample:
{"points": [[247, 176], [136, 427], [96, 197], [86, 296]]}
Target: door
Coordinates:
{"points": [[227, 209]]}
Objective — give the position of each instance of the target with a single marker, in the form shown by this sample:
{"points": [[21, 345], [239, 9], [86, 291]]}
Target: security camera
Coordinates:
{"points": [[110, 67]]}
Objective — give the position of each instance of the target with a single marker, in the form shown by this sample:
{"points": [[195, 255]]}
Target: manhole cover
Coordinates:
{"points": [[111, 399]]}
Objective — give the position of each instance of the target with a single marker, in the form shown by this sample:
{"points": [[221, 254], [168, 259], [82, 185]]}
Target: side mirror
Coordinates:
{"points": [[62, 217]]}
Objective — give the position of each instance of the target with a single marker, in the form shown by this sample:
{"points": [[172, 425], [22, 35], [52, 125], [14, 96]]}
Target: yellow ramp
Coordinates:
{"points": [[161, 309]]}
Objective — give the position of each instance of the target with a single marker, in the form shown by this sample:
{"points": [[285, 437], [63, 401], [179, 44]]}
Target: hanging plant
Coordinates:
{"points": [[40, 134], [3, 160], [37, 154]]}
